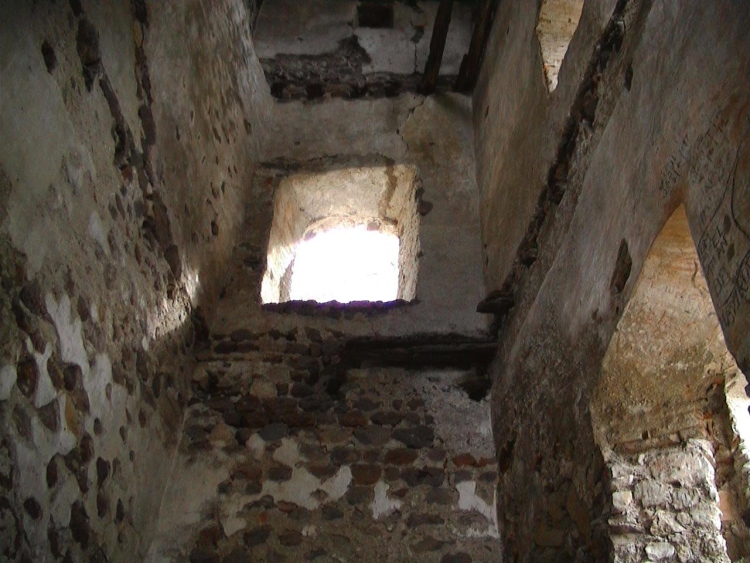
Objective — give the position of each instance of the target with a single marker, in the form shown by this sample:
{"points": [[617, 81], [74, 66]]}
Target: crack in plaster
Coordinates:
{"points": [[412, 110]]}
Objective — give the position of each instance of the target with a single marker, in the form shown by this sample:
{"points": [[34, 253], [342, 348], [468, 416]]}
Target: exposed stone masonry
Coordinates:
{"points": [[338, 75], [152, 409], [305, 458], [97, 262], [666, 505], [596, 149], [358, 50]]}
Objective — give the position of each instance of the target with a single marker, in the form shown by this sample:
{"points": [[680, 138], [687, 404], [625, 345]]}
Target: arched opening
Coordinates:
{"points": [[558, 20], [348, 232], [668, 415]]}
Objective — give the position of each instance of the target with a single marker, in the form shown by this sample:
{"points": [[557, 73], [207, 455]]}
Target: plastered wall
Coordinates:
{"points": [[124, 147], [432, 137], [648, 112], [292, 453]]}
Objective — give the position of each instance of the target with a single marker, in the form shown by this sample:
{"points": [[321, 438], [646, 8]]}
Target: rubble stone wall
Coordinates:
{"points": [[290, 453], [108, 158], [665, 505]]}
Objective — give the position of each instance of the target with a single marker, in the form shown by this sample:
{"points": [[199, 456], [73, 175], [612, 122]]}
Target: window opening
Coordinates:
{"points": [[558, 20], [346, 264], [344, 233]]}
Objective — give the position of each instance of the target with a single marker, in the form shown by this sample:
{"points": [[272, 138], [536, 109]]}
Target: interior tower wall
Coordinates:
{"points": [[120, 180], [649, 112]]}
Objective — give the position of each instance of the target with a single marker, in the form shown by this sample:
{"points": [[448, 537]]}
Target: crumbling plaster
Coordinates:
{"points": [[558, 21], [432, 135], [668, 349], [397, 463], [106, 247], [636, 146], [661, 417], [375, 193], [126, 190], [316, 27]]}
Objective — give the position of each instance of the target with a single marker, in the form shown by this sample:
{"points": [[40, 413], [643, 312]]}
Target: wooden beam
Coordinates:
{"points": [[420, 351], [472, 61], [498, 302], [437, 46]]}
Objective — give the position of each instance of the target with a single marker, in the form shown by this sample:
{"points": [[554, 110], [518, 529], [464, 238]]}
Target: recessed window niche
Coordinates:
{"points": [[347, 232], [374, 14]]}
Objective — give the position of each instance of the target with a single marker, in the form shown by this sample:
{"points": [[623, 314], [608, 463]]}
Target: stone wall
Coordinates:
{"points": [[109, 158], [668, 349], [323, 49], [212, 112], [512, 121], [431, 136], [339, 193], [663, 382], [558, 21], [623, 143], [665, 506], [291, 452]]}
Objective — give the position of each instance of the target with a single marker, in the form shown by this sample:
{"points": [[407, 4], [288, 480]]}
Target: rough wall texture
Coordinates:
{"points": [[290, 453], [432, 135], [347, 49], [666, 506], [514, 114], [126, 152], [662, 385], [375, 193], [558, 21], [212, 109], [295, 446], [98, 206], [505, 123], [632, 148], [668, 348]]}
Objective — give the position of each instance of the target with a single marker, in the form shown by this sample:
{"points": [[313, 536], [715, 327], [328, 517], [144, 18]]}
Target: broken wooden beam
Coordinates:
{"points": [[437, 47], [498, 302], [420, 351], [472, 61]]}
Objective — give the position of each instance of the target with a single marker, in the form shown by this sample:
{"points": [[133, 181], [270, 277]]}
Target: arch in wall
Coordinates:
{"points": [[699, 158], [660, 413], [377, 195], [716, 174]]}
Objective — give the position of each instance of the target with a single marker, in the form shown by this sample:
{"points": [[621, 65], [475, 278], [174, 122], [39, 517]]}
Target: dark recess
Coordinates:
{"points": [[50, 59], [425, 351], [375, 14], [622, 269], [75, 5], [629, 77]]}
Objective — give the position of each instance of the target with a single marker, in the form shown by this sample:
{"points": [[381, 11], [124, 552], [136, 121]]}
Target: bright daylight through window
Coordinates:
{"points": [[344, 231], [346, 264]]}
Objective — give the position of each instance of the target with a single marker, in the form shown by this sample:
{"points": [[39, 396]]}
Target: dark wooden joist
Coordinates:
{"points": [[498, 302], [472, 61], [421, 351], [437, 47]]}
